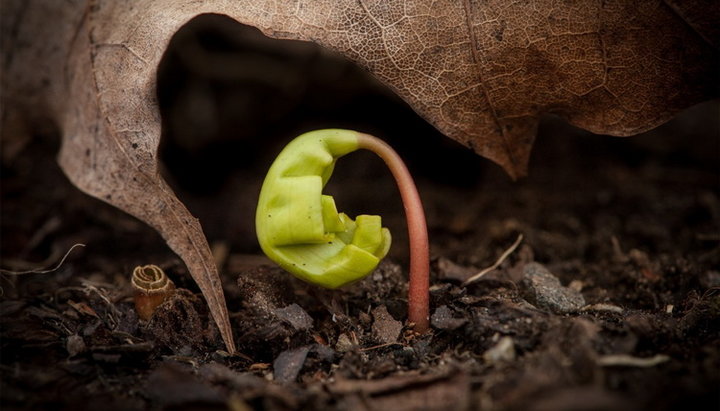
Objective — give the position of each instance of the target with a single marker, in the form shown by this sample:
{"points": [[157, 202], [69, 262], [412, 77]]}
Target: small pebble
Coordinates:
{"points": [[502, 351], [75, 345], [544, 290], [576, 285]]}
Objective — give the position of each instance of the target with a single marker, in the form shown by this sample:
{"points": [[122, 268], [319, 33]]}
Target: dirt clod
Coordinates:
{"points": [[173, 384], [180, 323]]}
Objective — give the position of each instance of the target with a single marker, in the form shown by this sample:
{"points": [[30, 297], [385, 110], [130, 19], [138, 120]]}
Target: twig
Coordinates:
{"points": [[497, 263], [622, 360], [603, 307], [43, 271], [374, 347]]}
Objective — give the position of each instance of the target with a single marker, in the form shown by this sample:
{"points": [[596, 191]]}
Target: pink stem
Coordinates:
{"points": [[418, 289]]}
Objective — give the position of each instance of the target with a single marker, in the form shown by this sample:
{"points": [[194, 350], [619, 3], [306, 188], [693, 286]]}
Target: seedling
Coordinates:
{"points": [[300, 228]]}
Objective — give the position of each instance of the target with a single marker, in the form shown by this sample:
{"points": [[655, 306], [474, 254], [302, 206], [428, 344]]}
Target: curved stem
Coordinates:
{"points": [[419, 283]]}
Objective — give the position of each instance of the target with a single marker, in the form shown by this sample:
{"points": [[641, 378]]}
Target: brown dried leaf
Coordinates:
{"points": [[481, 72]]}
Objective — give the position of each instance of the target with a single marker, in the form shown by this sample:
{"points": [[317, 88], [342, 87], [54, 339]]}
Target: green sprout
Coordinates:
{"points": [[300, 228]]}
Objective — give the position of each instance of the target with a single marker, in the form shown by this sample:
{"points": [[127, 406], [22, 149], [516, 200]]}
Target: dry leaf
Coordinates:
{"points": [[481, 72]]}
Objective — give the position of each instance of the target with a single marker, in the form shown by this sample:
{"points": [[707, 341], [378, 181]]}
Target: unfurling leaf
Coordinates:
{"points": [[300, 228]]}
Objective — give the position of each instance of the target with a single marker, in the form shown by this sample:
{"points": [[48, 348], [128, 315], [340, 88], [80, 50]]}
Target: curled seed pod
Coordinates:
{"points": [[152, 286]]}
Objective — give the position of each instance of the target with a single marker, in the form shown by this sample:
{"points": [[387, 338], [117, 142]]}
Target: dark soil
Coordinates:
{"points": [[630, 227]]}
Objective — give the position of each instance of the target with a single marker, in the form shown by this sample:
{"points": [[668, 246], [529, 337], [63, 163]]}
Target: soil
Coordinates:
{"points": [[611, 301]]}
